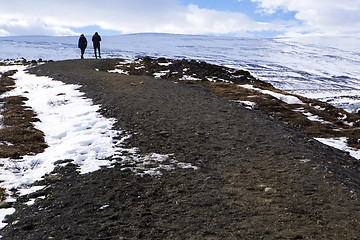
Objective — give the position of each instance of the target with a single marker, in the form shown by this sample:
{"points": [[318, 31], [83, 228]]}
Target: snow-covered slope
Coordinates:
{"points": [[323, 68], [287, 63], [305, 64]]}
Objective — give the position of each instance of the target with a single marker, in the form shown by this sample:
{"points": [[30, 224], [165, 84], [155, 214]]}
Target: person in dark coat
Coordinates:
{"points": [[82, 45], [96, 42]]}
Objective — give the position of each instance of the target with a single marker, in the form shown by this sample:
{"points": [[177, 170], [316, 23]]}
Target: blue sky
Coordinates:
{"points": [[244, 18], [245, 6], [224, 5]]}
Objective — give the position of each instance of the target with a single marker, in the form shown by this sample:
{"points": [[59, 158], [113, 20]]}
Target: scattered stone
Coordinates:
{"points": [[63, 161], [269, 190], [179, 198], [4, 204], [52, 178]]}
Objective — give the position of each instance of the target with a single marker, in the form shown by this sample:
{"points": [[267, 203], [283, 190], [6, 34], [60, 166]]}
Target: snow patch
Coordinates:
{"points": [[247, 104], [87, 143], [340, 143], [3, 213], [282, 97], [189, 78], [74, 129], [161, 74], [153, 164], [311, 116], [347, 99], [120, 71]]}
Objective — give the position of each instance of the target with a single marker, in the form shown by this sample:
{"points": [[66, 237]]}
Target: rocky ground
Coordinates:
{"points": [[257, 177], [19, 137]]}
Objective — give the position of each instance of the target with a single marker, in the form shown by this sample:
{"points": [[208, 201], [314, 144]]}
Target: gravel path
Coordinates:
{"points": [[257, 178]]}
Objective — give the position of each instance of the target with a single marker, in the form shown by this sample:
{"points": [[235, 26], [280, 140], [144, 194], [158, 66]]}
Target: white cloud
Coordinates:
{"points": [[30, 27], [318, 17], [315, 17], [20, 17], [205, 21]]}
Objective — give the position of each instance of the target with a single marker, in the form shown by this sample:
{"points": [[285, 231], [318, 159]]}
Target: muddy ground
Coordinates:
{"points": [[257, 178]]}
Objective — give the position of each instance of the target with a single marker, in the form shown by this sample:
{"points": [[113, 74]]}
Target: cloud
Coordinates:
{"points": [[30, 27], [204, 21], [66, 17], [22, 17], [320, 17]]}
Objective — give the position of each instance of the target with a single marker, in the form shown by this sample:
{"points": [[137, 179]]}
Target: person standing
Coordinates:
{"points": [[82, 45], [96, 42]]}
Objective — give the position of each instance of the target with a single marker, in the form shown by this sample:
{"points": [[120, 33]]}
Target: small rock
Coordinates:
{"points": [[103, 207], [319, 222], [5, 205], [63, 161], [14, 222], [163, 134], [52, 178], [270, 190], [305, 160]]}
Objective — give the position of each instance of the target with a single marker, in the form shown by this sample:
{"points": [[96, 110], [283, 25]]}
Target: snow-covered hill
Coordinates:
{"points": [[288, 63], [309, 64]]}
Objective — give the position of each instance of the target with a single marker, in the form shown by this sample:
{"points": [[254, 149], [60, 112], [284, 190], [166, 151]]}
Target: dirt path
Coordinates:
{"points": [[257, 179]]}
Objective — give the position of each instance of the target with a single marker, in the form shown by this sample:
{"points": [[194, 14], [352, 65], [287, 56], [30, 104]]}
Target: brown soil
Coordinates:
{"points": [[18, 134], [335, 122], [258, 178]]}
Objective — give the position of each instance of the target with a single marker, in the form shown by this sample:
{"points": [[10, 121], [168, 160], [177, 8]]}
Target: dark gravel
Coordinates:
{"points": [[257, 178]]}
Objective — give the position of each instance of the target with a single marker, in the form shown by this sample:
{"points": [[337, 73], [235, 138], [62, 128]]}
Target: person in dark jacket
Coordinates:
{"points": [[82, 45], [96, 42]]}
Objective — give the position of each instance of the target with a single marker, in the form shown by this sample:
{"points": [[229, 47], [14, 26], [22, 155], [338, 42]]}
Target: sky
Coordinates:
{"points": [[243, 18]]}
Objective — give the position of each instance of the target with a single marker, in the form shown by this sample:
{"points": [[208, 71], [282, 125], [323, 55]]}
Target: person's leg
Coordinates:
{"points": [[95, 52], [99, 52], [82, 53]]}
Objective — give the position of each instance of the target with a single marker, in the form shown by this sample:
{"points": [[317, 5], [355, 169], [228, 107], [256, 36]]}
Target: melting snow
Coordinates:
{"points": [[161, 73], [189, 78], [347, 99], [72, 126], [311, 116], [285, 98], [165, 64], [119, 71], [74, 129], [247, 104], [3, 213], [340, 143]]}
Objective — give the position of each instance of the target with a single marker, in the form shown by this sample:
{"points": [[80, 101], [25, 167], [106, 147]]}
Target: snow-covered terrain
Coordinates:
{"points": [[315, 68], [74, 131], [307, 64]]}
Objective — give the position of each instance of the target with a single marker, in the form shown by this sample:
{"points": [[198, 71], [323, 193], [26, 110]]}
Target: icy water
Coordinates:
{"points": [[321, 68]]}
